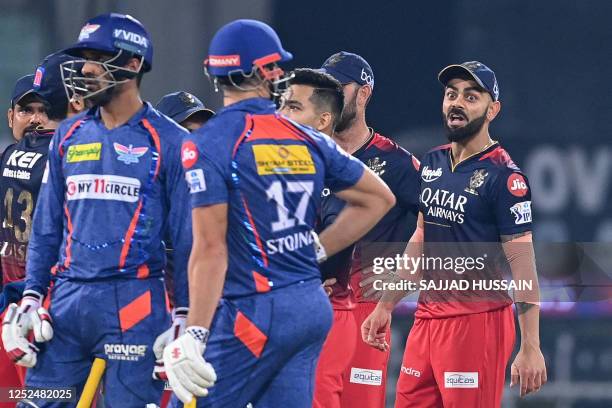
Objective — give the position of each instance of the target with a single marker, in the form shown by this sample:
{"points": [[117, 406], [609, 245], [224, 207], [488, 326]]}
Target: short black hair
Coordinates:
{"points": [[327, 93]]}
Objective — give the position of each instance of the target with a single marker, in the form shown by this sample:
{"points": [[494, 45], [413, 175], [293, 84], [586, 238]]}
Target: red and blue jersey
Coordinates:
{"points": [[477, 201], [107, 199], [399, 169], [270, 171], [23, 165]]}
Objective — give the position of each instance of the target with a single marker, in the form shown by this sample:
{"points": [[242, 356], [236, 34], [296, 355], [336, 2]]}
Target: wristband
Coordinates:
{"points": [[199, 333]]}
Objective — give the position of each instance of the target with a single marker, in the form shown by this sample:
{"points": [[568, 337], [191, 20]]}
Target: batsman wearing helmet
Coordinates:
{"points": [[114, 186], [258, 314]]}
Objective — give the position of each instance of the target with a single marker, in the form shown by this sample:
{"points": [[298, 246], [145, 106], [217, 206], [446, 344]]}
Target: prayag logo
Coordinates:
{"points": [[283, 159], [83, 152]]}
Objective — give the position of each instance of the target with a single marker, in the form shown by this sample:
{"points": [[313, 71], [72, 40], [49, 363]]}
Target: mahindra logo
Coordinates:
{"points": [[428, 175], [410, 371], [224, 60]]}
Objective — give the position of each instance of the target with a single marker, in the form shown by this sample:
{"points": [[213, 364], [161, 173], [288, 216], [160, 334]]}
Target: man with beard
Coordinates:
{"points": [[471, 192], [113, 188], [353, 297], [185, 109], [27, 110], [21, 173]]}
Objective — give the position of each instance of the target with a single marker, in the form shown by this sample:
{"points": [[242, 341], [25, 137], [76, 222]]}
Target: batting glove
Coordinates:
{"points": [[179, 320], [188, 373], [17, 324]]}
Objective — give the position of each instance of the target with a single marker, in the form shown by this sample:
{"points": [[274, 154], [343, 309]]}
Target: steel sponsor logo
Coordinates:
{"points": [[365, 376], [129, 154], [456, 379], [195, 180], [521, 212], [224, 60], [84, 152], [283, 159], [428, 175], [125, 352], [102, 187]]}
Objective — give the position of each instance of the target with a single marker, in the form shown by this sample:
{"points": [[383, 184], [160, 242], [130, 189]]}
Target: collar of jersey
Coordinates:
{"points": [[251, 105], [487, 149], [134, 120]]}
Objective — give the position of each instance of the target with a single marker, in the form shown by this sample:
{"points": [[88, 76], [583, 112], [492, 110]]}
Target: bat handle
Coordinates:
{"points": [[93, 381]]}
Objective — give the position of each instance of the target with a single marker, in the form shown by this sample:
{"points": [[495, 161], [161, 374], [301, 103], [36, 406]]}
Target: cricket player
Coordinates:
{"points": [[22, 168], [185, 109], [364, 381], [471, 192], [114, 186], [255, 178]]}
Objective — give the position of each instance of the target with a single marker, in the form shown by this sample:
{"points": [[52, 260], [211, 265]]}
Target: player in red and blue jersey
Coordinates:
{"points": [[114, 187], [471, 193], [255, 179], [350, 373]]}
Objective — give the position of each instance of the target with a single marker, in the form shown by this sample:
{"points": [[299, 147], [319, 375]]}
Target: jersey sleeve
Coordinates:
{"points": [[512, 203], [48, 221], [341, 169], [408, 181], [179, 226], [207, 167]]}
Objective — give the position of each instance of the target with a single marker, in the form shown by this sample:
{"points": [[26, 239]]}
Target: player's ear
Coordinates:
{"points": [[10, 117], [493, 110], [363, 95], [76, 104], [324, 121]]}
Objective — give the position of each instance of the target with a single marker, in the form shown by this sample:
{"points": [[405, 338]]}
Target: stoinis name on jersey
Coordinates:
{"points": [[102, 187], [23, 161], [444, 204]]}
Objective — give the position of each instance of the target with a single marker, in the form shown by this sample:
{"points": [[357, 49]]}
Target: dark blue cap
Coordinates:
{"points": [[22, 88], [347, 67], [483, 75], [48, 82], [181, 105], [241, 44]]}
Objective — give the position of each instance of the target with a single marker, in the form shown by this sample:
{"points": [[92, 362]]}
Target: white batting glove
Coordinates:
{"points": [[16, 326], [188, 373], [179, 320]]}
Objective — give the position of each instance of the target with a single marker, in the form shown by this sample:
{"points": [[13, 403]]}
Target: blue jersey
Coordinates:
{"points": [[399, 169], [107, 201], [270, 171], [478, 200]]}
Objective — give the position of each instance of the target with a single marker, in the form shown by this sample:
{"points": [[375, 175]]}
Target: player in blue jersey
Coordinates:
{"points": [[114, 186], [255, 178], [22, 167], [474, 201]]}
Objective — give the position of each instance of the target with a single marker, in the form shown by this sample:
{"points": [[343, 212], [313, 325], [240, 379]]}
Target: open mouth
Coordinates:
{"points": [[456, 119]]}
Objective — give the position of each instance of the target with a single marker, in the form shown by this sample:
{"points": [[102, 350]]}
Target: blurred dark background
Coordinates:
{"points": [[553, 60]]}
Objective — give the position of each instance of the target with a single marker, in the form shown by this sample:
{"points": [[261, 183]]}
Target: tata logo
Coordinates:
{"points": [[131, 37], [521, 212], [367, 78], [25, 160], [428, 175]]}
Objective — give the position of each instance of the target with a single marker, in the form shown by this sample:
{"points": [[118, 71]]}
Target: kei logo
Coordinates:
{"points": [[129, 154]]}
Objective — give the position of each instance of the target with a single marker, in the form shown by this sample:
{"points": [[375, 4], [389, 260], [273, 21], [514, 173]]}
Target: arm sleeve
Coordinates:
{"points": [[179, 228], [408, 181], [48, 222], [512, 204], [206, 166], [341, 169]]}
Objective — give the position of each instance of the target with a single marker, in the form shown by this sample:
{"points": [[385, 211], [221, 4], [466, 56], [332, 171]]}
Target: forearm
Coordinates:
{"points": [[206, 278], [529, 324]]}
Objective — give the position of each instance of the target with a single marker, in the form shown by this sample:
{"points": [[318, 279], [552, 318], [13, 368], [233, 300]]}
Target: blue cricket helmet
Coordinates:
{"points": [[113, 32], [243, 44]]}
